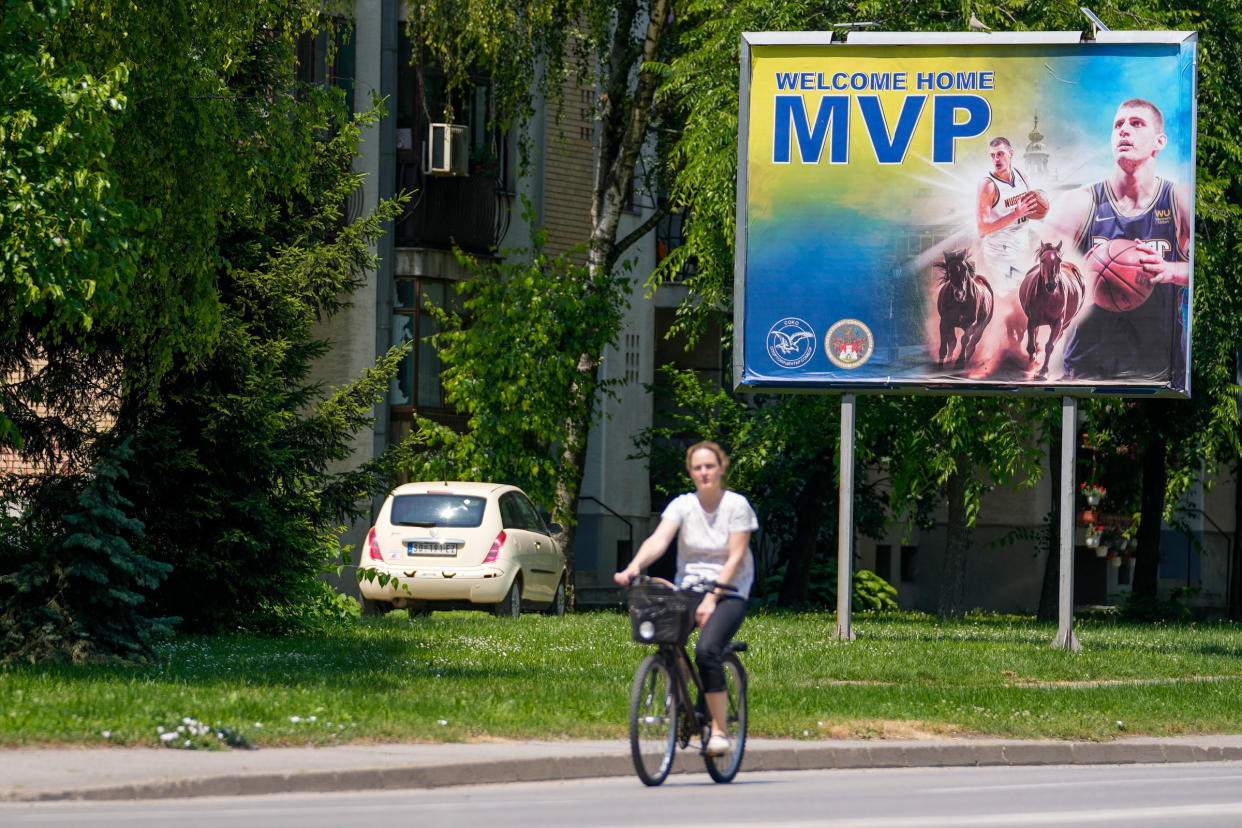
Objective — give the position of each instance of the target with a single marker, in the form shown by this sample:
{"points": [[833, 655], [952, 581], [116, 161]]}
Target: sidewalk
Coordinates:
{"points": [[154, 773]]}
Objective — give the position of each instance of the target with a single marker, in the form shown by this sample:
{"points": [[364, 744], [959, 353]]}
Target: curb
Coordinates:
{"points": [[759, 757]]}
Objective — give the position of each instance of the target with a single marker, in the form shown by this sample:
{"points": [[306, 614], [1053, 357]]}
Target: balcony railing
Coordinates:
{"points": [[444, 211]]}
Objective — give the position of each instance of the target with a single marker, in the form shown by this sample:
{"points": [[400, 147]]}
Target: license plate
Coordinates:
{"points": [[436, 548]]}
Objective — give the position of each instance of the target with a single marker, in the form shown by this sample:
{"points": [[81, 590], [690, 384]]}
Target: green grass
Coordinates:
{"points": [[465, 676]]}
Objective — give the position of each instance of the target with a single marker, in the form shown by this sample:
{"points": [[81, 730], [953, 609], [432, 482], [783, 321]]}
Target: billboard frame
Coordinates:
{"points": [[902, 39], [1065, 638]]}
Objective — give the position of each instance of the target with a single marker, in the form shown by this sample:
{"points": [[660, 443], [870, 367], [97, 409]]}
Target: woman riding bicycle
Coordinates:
{"points": [[713, 527]]}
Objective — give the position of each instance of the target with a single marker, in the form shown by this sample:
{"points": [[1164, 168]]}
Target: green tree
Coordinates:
{"points": [[512, 361], [960, 448], [232, 470], [67, 239], [230, 181], [80, 596]]}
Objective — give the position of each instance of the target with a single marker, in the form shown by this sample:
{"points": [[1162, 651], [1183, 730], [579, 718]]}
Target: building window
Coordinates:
{"points": [[884, 561], [909, 564], [670, 235], [633, 358], [326, 58], [417, 383], [423, 97]]}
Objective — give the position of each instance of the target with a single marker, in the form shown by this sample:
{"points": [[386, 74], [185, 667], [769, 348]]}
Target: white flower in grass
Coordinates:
{"points": [[312, 718], [258, 725], [107, 734], [443, 722], [167, 737], [295, 719], [159, 728]]}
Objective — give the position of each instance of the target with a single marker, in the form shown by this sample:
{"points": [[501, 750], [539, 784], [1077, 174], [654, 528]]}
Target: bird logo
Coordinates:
{"points": [[788, 343], [791, 342]]}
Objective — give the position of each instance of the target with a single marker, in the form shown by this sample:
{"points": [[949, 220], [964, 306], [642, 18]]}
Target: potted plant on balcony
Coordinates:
{"points": [[485, 163], [1094, 493], [1094, 537]]}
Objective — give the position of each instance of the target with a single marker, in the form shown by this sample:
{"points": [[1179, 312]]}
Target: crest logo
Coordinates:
{"points": [[849, 343], [791, 342]]}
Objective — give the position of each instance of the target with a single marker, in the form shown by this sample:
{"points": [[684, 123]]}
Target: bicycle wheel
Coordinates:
{"points": [[653, 720], [724, 767]]}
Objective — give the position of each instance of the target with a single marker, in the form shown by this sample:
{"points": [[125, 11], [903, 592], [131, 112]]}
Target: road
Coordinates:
{"points": [[1134, 796]]}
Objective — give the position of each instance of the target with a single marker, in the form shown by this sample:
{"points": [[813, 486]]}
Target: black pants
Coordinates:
{"points": [[719, 630]]}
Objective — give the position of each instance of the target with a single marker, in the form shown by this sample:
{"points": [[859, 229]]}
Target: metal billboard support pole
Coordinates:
{"points": [[845, 523], [1065, 639]]}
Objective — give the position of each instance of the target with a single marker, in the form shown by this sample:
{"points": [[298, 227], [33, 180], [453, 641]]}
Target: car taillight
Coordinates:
{"points": [[495, 550], [373, 546]]}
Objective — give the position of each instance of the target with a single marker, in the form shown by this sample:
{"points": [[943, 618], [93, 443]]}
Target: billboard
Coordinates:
{"points": [[966, 213]]}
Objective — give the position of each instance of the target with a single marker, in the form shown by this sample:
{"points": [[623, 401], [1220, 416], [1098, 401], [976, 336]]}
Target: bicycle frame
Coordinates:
{"points": [[682, 666]]}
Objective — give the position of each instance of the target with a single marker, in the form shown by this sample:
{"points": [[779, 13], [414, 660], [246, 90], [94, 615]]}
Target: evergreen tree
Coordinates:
{"points": [[232, 470], [82, 598]]}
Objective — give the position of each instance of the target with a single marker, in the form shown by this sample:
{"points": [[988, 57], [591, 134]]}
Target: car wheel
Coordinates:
{"points": [[419, 611], [557, 607], [373, 607], [511, 605]]}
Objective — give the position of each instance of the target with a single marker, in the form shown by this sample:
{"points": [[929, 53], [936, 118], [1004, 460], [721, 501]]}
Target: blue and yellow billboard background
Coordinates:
{"points": [[863, 166]]}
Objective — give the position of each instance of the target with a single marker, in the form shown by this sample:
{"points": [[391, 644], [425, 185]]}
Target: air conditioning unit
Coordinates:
{"points": [[448, 152]]}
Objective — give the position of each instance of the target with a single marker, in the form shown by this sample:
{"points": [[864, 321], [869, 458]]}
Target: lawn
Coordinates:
{"points": [[465, 676]]}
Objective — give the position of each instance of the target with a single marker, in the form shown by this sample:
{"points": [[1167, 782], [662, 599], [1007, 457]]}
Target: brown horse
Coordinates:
{"points": [[966, 301], [1051, 294]]}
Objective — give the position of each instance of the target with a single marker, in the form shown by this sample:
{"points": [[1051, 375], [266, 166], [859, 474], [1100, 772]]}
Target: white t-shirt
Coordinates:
{"points": [[703, 537]]}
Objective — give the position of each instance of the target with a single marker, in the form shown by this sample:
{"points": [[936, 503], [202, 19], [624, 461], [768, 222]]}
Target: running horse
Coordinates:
{"points": [[966, 301], [1051, 294]]}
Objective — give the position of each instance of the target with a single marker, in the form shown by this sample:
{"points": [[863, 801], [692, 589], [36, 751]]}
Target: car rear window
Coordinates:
{"points": [[438, 510]]}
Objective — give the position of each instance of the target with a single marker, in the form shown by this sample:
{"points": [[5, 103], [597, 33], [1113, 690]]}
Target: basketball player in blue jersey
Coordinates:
{"points": [[1003, 205], [1147, 343]]}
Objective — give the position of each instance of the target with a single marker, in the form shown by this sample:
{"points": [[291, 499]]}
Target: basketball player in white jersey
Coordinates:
{"points": [[1005, 202]]}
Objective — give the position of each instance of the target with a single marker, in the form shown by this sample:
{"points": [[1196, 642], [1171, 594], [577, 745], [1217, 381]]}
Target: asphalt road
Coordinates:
{"points": [[1134, 796]]}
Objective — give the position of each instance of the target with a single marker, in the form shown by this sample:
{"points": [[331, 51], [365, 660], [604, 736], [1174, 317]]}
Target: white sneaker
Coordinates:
{"points": [[717, 745]]}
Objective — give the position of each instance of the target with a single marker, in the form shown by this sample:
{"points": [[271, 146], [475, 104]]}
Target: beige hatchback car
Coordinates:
{"points": [[455, 545]]}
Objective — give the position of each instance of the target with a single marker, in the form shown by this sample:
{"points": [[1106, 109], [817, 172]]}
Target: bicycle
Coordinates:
{"points": [[663, 716]]}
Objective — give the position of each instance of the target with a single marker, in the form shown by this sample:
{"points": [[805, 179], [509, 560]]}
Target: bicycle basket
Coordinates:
{"points": [[659, 615]]}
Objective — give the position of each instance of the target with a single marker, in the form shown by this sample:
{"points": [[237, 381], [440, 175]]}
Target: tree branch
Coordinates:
{"points": [[643, 229]]}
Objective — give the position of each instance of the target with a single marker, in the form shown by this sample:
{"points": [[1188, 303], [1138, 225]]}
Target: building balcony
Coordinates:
{"points": [[470, 212]]}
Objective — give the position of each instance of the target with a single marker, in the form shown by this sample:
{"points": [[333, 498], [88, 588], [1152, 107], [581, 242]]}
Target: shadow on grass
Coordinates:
{"points": [[338, 658]]}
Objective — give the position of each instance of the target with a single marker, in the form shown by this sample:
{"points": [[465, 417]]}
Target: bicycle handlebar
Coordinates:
{"points": [[697, 586]]}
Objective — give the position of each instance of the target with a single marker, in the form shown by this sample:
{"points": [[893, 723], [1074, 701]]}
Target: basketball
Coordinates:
{"points": [[1041, 204], [1120, 283]]}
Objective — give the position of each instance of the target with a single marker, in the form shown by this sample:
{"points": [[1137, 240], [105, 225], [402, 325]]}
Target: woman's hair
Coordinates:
{"points": [[715, 449]]}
